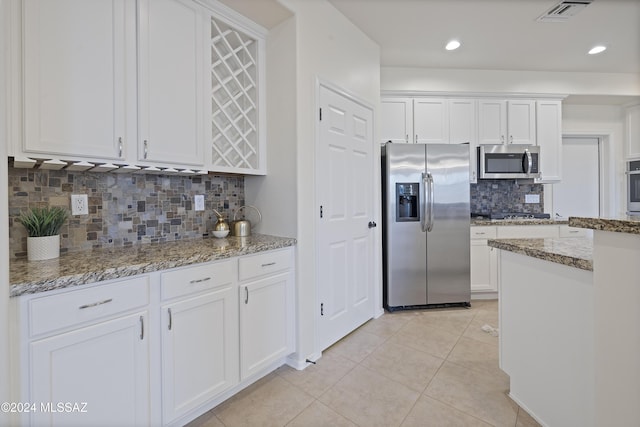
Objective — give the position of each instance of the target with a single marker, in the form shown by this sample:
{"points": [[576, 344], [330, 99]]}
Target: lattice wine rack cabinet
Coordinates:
{"points": [[235, 98]]}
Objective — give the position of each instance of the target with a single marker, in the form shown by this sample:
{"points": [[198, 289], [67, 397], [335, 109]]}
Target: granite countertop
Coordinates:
{"points": [[79, 268], [626, 224], [475, 221], [574, 251]]}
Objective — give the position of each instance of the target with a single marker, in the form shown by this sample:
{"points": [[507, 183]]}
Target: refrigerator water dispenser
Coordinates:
{"points": [[407, 201]]}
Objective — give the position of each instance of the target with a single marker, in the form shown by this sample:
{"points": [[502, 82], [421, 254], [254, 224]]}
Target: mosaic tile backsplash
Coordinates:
{"points": [[502, 195], [124, 209]]}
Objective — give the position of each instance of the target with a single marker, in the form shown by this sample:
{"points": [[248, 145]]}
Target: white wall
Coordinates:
{"points": [[275, 194], [4, 227], [454, 80], [330, 48]]}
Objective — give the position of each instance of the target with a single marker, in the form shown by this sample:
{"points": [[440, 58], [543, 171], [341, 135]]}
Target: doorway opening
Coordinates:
{"points": [[580, 191]]}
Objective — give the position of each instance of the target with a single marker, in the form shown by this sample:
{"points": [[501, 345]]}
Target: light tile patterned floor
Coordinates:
{"points": [[414, 368]]}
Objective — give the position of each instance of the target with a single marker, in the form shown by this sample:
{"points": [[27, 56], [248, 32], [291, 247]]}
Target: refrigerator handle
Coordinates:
{"points": [[425, 203], [430, 202]]}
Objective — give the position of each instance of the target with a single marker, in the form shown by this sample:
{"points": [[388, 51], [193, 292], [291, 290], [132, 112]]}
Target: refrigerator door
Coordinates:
{"points": [[406, 243], [448, 244]]}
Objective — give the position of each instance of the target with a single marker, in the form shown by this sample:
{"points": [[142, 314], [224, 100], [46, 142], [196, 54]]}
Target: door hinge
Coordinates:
{"points": [[321, 212], [321, 309], [321, 114]]}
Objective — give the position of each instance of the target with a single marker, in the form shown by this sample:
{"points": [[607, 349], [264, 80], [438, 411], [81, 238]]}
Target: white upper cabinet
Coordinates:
{"points": [[428, 120], [549, 137], [78, 57], [396, 120], [431, 120], [506, 122], [633, 131], [167, 83], [171, 82]]}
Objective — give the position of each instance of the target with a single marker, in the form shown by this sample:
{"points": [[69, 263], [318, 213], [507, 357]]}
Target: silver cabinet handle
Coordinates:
{"points": [[199, 280], [146, 148], [170, 319], [246, 297], [141, 327], [510, 139], [481, 234], [406, 138], [119, 146], [82, 307], [268, 264], [502, 139], [416, 140]]}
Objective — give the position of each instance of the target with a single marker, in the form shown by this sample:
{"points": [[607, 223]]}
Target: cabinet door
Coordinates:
{"points": [[492, 121], [521, 125], [266, 322], [77, 61], [549, 135], [105, 365], [171, 82], [633, 131], [463, 128], [396, 120], [199, 350], [431, 121], [484, 267]]}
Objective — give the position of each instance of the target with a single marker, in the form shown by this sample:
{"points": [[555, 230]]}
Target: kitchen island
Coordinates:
{"points": [[569, 316]]}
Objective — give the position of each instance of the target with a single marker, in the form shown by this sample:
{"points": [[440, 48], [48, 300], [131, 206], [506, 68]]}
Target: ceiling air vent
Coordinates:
{"points": [[564, 10]]}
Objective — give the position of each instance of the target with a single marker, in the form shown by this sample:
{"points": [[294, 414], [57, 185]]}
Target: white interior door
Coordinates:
{"points": [[344, 177], [578, 194]]}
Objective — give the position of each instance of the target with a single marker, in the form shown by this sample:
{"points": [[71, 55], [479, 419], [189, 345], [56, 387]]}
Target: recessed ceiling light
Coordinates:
{"points": [[597, 49], [452, 45]]}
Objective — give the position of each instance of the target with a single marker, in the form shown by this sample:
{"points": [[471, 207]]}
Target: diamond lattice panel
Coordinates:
{"points": [[234, 75]]}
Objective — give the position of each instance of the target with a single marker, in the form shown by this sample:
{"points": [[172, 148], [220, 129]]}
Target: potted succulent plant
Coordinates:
{"points": [[43, 228]]}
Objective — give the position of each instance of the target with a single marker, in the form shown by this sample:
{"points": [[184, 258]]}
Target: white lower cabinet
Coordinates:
{"points": [[92, 375], [484, 261], [93, 355], [266, 315], [88, 355], [199, 338]]}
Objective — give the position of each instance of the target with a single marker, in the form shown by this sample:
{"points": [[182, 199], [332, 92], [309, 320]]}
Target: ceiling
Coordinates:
{"points": [[500, 34], [495, 34]]}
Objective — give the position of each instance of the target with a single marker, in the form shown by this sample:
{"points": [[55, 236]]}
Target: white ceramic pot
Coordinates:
{"points": [[45, 247]]}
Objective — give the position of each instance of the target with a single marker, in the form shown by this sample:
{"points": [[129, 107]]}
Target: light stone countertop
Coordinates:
{"points": [[573, 251], [501, 222], [79, 268], [626, 224]]}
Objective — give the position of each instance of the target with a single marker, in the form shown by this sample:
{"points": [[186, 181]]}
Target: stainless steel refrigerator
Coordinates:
{"points": [[426, 225]]}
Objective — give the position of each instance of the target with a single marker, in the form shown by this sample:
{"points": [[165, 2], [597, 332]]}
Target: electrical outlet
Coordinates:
{"points": [[532, 198], [79, 204], [199, 202]]}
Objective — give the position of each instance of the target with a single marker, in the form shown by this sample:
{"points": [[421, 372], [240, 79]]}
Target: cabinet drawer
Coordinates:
{"points": [[527, 231], [60, 311], [480, 232], [189, 280], [566, 231], [265, 263]]}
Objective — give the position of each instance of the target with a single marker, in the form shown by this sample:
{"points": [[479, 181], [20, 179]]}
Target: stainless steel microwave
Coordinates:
{"points": [[508, 161], [633, 187]]}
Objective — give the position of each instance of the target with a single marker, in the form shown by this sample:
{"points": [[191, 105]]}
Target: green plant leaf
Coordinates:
{"points": [[43, 221]]}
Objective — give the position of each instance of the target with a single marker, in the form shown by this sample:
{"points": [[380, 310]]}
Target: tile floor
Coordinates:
{"points": [[413, 368]]}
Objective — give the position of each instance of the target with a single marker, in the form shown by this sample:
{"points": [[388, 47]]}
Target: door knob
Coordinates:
{"points": [[372, 224]]}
